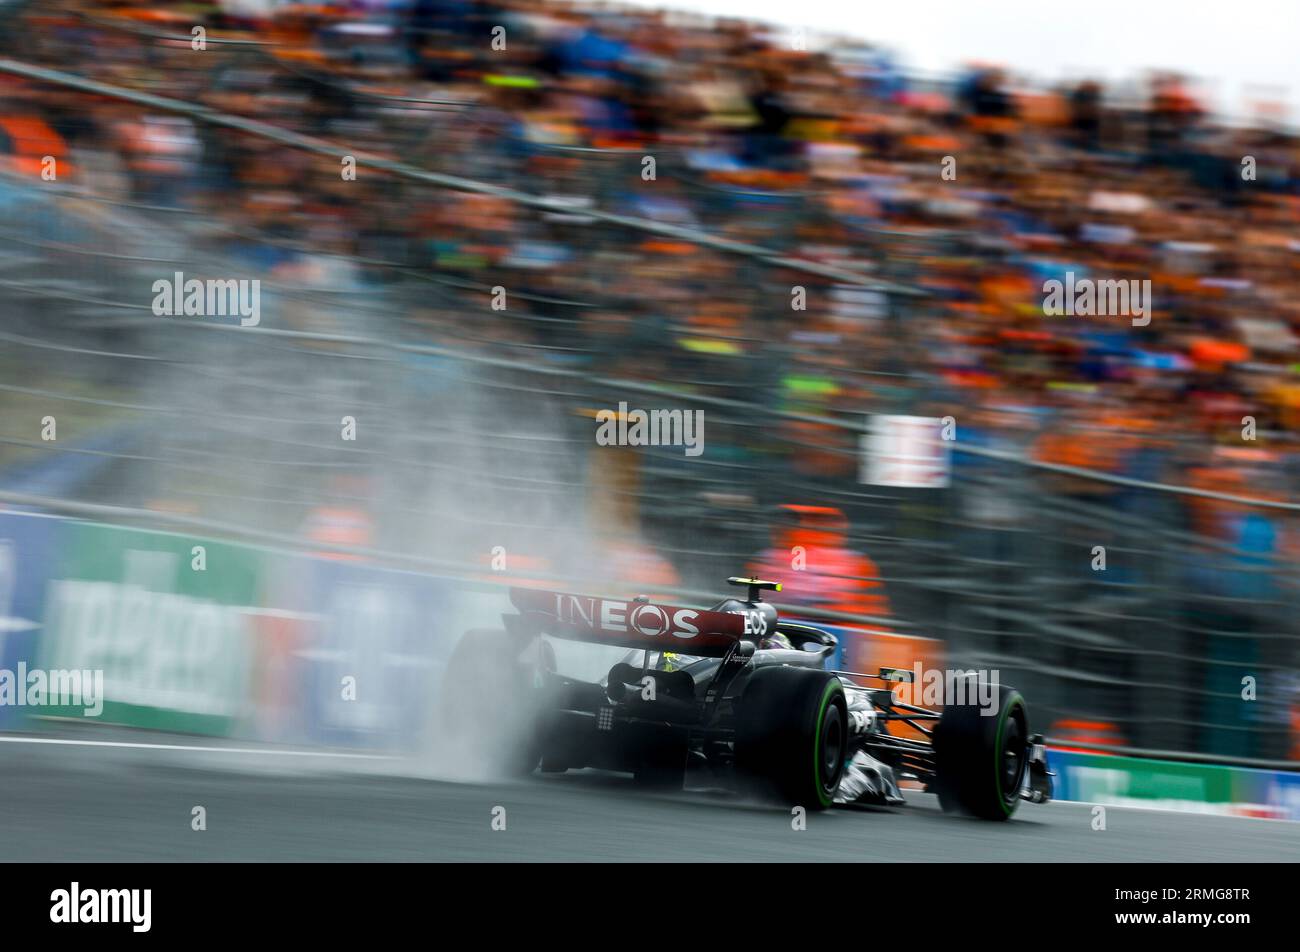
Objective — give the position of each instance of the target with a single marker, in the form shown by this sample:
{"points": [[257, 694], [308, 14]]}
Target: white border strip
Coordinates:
{"points": [[195, 747]]}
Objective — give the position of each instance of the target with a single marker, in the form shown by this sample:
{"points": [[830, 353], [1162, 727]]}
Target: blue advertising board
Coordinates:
{"points": [[27, 544], [373, 654]]}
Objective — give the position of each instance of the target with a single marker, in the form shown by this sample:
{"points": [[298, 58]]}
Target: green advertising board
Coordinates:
{"points": [[169, 625]]}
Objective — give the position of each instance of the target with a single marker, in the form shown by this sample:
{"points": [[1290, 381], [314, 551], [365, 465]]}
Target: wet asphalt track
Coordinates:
{"points": [[90, 803]]}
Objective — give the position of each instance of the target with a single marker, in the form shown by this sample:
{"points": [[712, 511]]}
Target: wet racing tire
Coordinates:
{"points": [[492, 704], [981, 752], [663, 760], [792, 735]]}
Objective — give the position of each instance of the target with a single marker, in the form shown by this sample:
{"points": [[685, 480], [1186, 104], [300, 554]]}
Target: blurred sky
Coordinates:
{"points": [[1237, 47]]}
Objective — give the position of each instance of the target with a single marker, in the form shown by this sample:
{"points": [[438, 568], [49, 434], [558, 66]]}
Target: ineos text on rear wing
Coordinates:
{"points": [[630, 624]]}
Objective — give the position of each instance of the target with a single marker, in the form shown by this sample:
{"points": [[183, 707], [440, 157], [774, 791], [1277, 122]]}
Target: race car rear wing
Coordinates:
{"points": [[630, 624]]}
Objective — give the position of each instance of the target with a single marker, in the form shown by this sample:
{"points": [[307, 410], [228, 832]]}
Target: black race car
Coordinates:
{"points": [[737, 692]]}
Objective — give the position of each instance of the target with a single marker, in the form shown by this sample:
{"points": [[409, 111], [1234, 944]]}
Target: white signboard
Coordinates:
{"points": [[905, 451]]}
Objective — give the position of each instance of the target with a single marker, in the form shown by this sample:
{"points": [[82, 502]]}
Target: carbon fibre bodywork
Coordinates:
{"points": [[676, 699]]}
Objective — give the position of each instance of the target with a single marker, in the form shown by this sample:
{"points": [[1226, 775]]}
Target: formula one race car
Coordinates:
{"points": [[738, 692]]}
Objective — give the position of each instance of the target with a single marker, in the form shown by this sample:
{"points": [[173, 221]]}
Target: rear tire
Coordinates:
{"points": [[981, 760], [493, 709], [792, 735], [663, 764]]}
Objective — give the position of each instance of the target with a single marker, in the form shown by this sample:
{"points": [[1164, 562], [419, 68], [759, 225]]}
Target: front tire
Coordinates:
{"points": [[981, 759], [792, 735]]}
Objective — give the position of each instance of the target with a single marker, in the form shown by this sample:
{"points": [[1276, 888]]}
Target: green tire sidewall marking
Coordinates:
{"points": [[831, 688], [1012, 701]]}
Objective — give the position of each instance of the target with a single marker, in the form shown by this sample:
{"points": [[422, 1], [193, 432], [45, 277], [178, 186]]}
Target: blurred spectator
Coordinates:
{"points": [[811, 558]]}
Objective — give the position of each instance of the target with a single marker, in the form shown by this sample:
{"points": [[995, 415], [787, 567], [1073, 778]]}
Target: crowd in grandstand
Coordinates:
{"points": [[975, 192]]}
